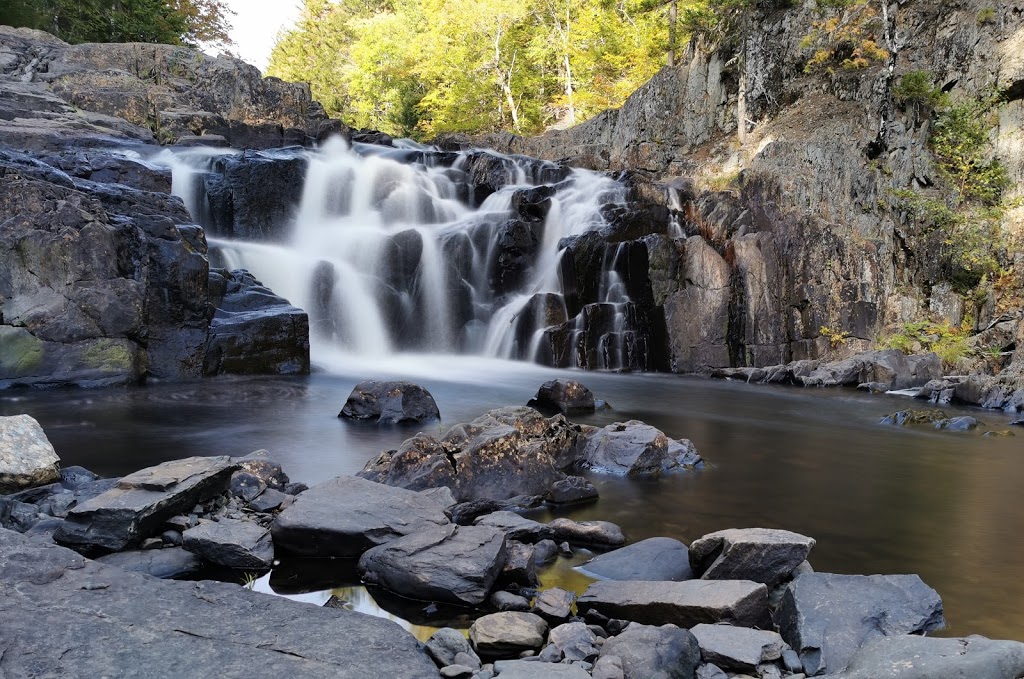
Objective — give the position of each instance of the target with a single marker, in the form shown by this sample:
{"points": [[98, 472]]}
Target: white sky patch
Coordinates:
{"points": [[255, 26]]}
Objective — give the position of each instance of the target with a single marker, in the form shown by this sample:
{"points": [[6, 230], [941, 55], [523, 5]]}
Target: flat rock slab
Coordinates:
{"points": [[759, 554], [507, 634], [737, 648], [62, 615], [231, 543], [533, 669], [685, 604], [915, 657], [649, 652], [827, 617], [650, 559], [449, 564], [346, 516], [141, 502], [589, 533], [517, 527], [169, 563], [27, 458]]}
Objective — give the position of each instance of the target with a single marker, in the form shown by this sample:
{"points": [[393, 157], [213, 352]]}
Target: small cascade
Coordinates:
{"points": [[410, 249]]}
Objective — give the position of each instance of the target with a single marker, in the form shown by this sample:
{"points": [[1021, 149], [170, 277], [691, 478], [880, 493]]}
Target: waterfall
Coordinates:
{"points": [[410, 249]]}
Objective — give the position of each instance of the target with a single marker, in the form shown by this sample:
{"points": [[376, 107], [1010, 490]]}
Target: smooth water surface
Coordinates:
{"points": [[878, 499]]}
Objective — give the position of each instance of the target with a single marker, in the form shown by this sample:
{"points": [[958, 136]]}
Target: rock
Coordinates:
{"points": [[709, 671], [446, 643], [456, 672], [909, 417], [737, 648], [554, 604], [608, 667], [504, 635], [231, 543], [759, 554], [468, 659], [173, 562], [521, 669], [269, 500], [635, 449], [449, 564], [591, 533], [572, 489], [962, 423], [245, 485], [791, 661], [568, 397], [890, 367], [649, 652], [465, 513], [390, 403], [545, 551], [516, 527], [27, 458], [684, 604], [574, 642], [253, 330], [506, 601], [261, 465], [202, 628], [650, 559], [520, 568], [827, 617], [347, 515], [74, 476], [141, 502], [915, 657]]}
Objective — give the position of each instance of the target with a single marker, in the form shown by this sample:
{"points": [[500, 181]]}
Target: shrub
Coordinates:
{"points": [[916, 89]]}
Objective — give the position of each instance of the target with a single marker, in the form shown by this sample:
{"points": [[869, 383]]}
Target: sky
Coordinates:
{"points": [[255, 25]]}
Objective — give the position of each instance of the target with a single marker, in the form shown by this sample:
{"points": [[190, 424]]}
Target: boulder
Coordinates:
{"points": [[650, 559], [608, 667], [169, 563], [390, 403], [915, 657], [635, 449], [137, 507], [554, 604], [574, 641], [649, 652], [446, 643], [890, 367], [231, 543], [266, 469], [685, 604], [524, 669], [507, 601], [74, 476], [568, 397], [590, 533], [520, 566], [516, 527], [737, 648], [827, 617], [759, 554], [507, 634], [448, 564], [570, 490], [27, 458], [346, 516], [77, 618]]}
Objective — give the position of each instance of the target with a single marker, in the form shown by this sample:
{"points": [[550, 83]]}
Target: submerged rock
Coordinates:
{"points": [[390, 403], [27, 458], [650, 559]]}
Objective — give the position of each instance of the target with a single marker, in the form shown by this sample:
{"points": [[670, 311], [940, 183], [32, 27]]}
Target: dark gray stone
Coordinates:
{"points": [[574, 642], [456, 672], [390, 403], [709, 671], [827, 617], [572, 489], [516, 527], [608, 667], [554, 605], [173, 562], [545, 552], [348, 515], [505, 635], [649, 652], [520, 567], [141, 502], [507, 601], [269, 500], [245, 485], [523, 669], [915, 657], [231, 543], [450, 564], [259, 463], [74, 476], [758, 554], [446, 643], [568, 397], [685, 604], [635, 449], [737, 648], [588, 533], [650, 559], [94, 619]]}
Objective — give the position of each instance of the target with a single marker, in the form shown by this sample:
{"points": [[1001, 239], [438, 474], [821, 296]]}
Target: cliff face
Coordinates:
{"points": [[809, 235]]}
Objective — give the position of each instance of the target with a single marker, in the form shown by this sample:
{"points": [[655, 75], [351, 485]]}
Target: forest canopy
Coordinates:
{"points": [[422, 67]]}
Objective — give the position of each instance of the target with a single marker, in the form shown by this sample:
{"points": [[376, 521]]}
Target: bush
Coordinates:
{"points": [[916, 89], [847, 40], [949, 343]]}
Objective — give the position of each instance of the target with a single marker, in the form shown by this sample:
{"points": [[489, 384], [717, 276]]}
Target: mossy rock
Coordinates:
{"points": [[21, 353]]}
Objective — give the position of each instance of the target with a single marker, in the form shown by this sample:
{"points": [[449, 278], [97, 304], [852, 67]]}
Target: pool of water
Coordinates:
{"points": [[877, 498]]}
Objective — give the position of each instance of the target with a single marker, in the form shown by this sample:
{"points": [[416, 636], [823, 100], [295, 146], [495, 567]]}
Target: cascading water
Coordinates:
{"points": [[396, 249]]}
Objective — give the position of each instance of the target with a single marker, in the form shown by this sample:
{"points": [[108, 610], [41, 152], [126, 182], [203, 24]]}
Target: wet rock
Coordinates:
{"points": [[347, 515], [827, 617], [649, 652], [635, 449], [737, 648], [650, 559], [141, 502], [74, 476], [909, 417], [591, 533], [446, 643], [27, 458], [253, 330], [390, 403], [545, 551], [568, 397], [554, 604], [231, 543], [501, 462], [266, 469], [173, 562], [449, 564], [915, 657], [507, 601], [684, 604], [253, 195], [516, 527], [962, 423], [505, 635], [520, 567], [571, 490], [758, 554], [245, 485], [202, 628]]}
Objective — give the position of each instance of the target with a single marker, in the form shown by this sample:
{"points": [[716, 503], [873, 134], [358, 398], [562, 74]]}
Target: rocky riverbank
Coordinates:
{"points": [[734, 603]]}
